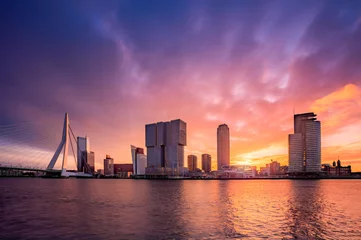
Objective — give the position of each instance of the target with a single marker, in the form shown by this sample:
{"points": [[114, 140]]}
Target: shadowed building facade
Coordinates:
{"points": [[206, 162], [223, 146], [108, 166], [82, 152], [304, 146], [90, 163], [192, 163], [165, 143]]}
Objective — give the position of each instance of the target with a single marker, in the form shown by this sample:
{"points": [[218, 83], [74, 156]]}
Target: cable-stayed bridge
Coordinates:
{"points": [[25, 148]]}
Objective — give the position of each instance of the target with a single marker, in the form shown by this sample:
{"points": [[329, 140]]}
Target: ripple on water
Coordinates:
{"points": [[131, 209]]}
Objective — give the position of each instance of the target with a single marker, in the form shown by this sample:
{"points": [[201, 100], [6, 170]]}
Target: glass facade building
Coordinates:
{"points": [[305, 144], [82, 152]]}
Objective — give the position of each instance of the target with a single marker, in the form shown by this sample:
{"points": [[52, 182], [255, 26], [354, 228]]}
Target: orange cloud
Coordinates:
{"points": [[339, 108]]}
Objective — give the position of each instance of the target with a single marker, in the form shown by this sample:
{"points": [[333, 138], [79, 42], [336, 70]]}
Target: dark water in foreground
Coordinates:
{"points": [[141, 209]]}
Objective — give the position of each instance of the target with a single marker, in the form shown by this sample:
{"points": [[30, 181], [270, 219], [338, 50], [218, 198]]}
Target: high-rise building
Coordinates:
{"points": [[108, 166], [165, 143], [206, 162], [192, 163], [139, 160], [83, 147], [295, 153], [223, 146], [91, 162], [304, 146]]}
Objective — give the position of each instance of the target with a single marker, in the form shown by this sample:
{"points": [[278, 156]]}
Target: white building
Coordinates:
{"points": [[139, 160], [239, 171], [223, 146]]}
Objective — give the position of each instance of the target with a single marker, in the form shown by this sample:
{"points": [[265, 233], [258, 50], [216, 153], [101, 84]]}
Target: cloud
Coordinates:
{"points": [[339, 108], [118, 65]]}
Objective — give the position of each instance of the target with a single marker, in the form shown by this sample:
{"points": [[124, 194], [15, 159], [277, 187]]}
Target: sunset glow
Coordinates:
{"points": [[115, 67]]}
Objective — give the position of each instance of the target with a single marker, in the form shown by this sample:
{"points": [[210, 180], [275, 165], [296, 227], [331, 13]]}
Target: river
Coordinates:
{"points": [[33, 208]]}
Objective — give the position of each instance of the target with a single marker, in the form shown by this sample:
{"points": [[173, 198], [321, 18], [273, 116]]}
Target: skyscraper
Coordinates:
{"points": [[295, 153], [108, 166], [82, 152], [223, 146], [192, 163], [165, 143], [206, 162], [304, 146], [139, 160]]}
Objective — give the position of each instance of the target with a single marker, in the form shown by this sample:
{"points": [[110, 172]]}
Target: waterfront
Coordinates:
{"points": [[34, 208]]}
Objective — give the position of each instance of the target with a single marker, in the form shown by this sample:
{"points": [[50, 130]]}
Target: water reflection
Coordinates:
{"points": [[229, 210], [306, 209], [165, 210]]}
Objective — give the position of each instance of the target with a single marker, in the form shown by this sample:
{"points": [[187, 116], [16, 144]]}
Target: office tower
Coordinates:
{"points": [[304, 146], [295, 153], [90, 163], [139, 160], [82, 152], [192, 163], [223, 146], [165, 143], [206, 162], [108, 166]]}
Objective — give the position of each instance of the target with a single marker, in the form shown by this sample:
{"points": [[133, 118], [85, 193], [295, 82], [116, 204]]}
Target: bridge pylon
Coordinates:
{"points": [[64, 145]]}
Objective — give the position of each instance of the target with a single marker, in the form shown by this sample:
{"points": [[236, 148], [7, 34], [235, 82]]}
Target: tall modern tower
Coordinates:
{"points": [[165, 143], [82, 152], [304, 146], [223, 146]]}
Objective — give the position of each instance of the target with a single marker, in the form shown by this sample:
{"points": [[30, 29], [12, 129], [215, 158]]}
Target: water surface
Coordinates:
{"points": [[156, 209]]}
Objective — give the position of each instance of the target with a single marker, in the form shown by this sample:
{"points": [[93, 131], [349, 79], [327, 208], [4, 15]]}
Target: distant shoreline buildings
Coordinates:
{"points": [[165, 142]]}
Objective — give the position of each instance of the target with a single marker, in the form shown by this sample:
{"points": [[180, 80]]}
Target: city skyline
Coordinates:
{"points": [[116, 66]]}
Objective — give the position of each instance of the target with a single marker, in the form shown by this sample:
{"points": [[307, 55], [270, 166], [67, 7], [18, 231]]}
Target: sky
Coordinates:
{"points": [[115, 66]]}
